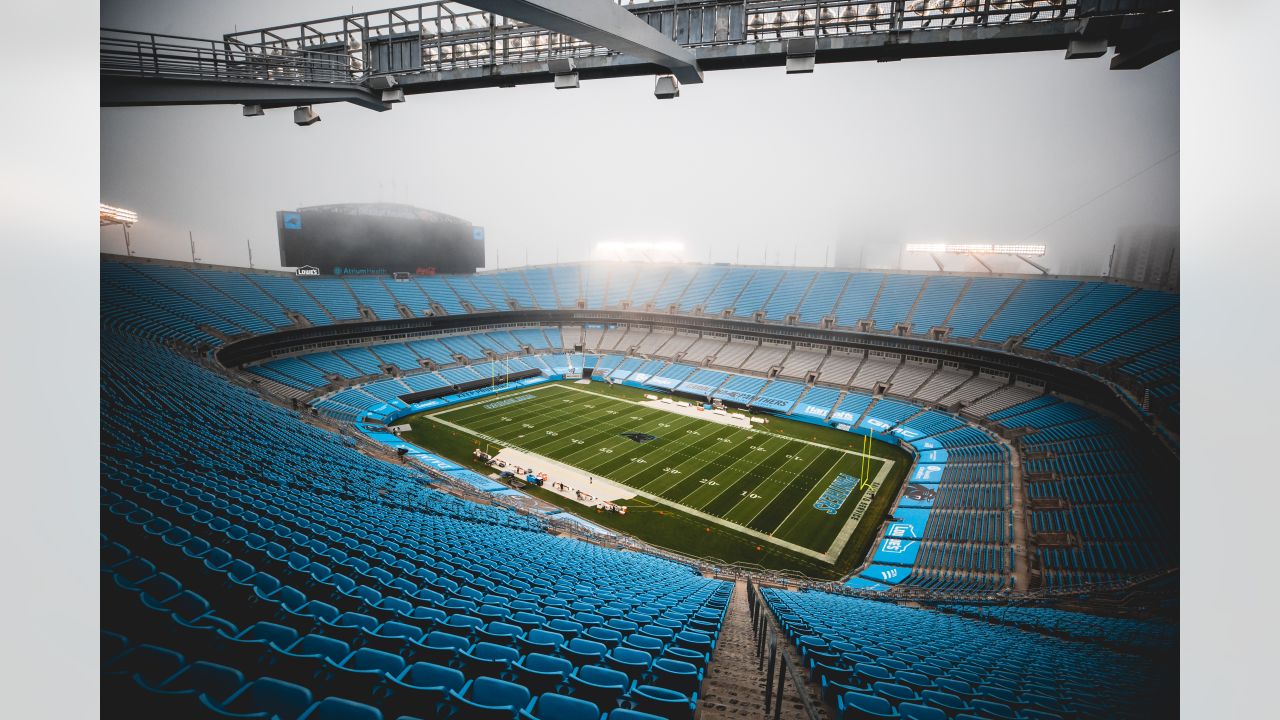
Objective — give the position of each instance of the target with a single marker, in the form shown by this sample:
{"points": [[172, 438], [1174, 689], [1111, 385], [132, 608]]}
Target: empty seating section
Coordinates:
{"points": [[432, 350], [801, 362], [362, 359], [238, 287], [734, 353], [942, 382], [896, 300], [1031, 302], [374, 295], [644, 287], [859, 294], [439, 292], [398, 354], [290, 294], [1126, 633], [1158, 333], [164, 299], [567, 285], [1099, 321], [767, 356], [672, 375], [409, 294], [893, 660], [820, 300], [891, 411], [594, 278], [787, 295], [1001, 399], [839, 367], [633, 337], [878, 367], [292, 372], [932, 422], [332, 364], [621, 280], [1088, 486], [205, 297], [334, 296], [535, 338], [1082, 307], [463, 345], [700, 286], [818, 402], [541, 287], [910, 376], [851, 407], [555, 339], [698, 349], [757, 292], [654, 340], [1136, 311], [468, 293], [739, 389], [980, 301], [673, 288], [514, 286], [727, 290], [935, 303], [703, 381], [243, 573], [779, 396], [974, 388], [625, 368], [646, 370]]}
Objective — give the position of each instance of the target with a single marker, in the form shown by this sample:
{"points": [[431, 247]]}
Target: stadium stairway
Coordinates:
{"points": [[734, 686]]}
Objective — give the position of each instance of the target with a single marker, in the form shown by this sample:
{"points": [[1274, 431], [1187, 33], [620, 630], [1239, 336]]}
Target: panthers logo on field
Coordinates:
{"points": [[916, 491], [638, 437]]}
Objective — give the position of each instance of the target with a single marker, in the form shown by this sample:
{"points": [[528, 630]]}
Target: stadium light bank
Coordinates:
{"points": [[110, 215], [977, 250]]}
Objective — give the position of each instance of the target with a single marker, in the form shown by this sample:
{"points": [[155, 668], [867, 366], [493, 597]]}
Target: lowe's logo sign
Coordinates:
{"points": [[307, 271]]}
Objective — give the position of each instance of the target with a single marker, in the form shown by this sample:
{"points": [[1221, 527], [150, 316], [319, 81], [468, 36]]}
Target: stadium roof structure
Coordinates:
{"points": [[376, 58]]}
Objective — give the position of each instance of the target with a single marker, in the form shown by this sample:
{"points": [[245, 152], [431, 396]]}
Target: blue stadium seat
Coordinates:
{"points": [[856, 706], [598, 684], [676, 675], [335, 708], [911, 711], [263, 698], [551, 706], [488, 698], [421, 689], [542, 673], [662, 701], [629, 660]]}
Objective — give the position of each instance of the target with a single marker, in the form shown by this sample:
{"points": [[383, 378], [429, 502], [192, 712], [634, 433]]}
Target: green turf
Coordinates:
{"points": [[744, 480]]}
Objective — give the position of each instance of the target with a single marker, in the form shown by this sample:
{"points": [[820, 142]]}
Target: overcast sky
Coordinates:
{"points": [[752, 165]]}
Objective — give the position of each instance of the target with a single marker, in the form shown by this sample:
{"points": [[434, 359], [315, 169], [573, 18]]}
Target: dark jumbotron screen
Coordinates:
{"points": [[377, 238]]}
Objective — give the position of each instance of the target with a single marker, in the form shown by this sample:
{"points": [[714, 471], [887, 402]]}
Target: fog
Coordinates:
{"points": [[753, 166]]}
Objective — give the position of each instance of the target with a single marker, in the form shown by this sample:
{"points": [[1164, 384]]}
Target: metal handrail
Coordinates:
{"points": [[132, 54]]}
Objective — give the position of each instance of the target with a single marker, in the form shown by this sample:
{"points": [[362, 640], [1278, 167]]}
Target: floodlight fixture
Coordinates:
{"points": [[977, 249], [666, 87], [303, 116], [109, 215]]}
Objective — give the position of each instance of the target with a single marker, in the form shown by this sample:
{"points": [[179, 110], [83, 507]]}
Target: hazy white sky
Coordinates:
{"points": [[752, 165]]}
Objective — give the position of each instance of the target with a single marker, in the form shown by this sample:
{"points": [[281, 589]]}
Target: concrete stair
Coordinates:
{"points": [[734, 685]]}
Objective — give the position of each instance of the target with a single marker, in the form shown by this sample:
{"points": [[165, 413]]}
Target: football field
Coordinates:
{"points": [[802, 495]]}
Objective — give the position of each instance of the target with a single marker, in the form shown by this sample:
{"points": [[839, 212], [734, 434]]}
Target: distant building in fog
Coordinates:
{"points": [[1146, 254]]}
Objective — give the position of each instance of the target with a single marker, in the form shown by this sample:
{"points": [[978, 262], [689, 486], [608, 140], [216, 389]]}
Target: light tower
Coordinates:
{"points": [[108, 215]]}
